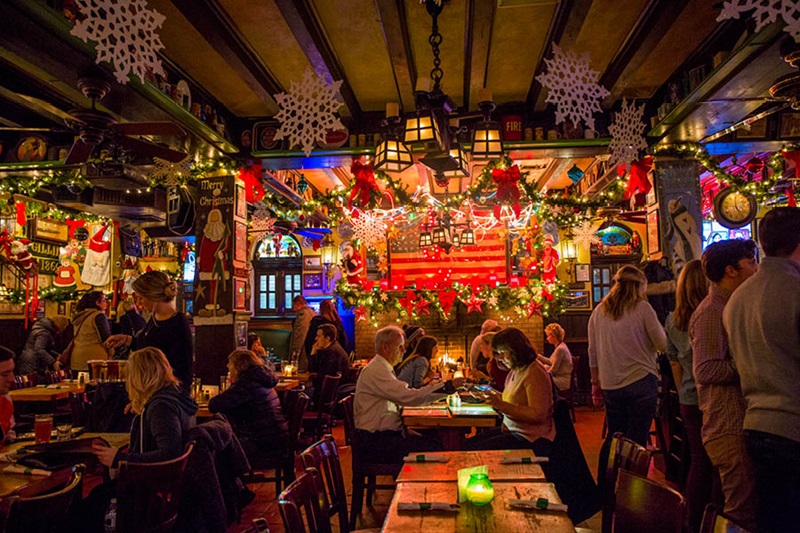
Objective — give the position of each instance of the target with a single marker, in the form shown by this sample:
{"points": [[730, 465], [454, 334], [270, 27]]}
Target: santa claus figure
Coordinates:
{"points": [[212, 259], [549, 261], [19, 250], [65, 274], [352, 264], [97, 266]]}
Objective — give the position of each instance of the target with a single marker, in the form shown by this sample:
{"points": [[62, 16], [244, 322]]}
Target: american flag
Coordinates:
{"points": [[487, 257]]}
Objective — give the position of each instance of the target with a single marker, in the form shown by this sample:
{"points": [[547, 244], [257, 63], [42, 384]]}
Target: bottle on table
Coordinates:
{"points": [[110, 520]]}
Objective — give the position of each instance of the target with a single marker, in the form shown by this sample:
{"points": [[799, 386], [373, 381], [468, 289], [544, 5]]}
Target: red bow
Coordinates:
{"points": [[446, 300], [73, 225], [253, 187], [21, 218], [507, 189], [408, 301], [638, 182], [364, 183]]}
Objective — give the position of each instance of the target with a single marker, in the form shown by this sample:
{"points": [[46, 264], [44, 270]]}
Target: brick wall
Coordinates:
{"points": [[455, 334]]}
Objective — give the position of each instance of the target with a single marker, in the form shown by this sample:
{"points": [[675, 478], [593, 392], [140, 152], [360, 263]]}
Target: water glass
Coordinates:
{"points": [[223, 384], [63, 432]]}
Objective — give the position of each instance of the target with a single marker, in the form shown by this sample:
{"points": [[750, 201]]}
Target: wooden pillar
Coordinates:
{"points": [[680, 212], [221, 296]]}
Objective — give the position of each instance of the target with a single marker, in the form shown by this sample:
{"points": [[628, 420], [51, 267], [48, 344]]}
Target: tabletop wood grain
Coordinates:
{"points": [[497, 516], [427, 472], [45, 394]]}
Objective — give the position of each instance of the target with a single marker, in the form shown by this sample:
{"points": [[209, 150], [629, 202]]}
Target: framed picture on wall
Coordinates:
{"points": [[653, 232], [579, 300], [652, 196], [240, 245], [241, 202], [312, 262], [240, 293], [583, 273], [312, 281], [789, 126]]}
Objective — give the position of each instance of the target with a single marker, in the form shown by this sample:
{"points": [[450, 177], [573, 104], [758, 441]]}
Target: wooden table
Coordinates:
{"points": [[497, 516], [283, 385], [452, 423], [428, 472], [45, 393], [11, 482]]}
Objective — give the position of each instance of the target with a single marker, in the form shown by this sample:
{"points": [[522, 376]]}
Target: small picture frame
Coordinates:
{"points": [[652, 196], [579, 300], [312, 263], [240, 248], [62, 308], [757, 130], [653, 232], [789, 126], [583, 273], [312, 281], [241, 202], [240, 294]]}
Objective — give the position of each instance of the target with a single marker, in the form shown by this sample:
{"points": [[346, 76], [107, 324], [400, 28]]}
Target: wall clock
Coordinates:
{"points": [[734, 209]]}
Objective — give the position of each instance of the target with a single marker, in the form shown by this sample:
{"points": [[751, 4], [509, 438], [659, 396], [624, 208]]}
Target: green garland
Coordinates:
{"points": [[53, 294], [760, 189], [29, 186]]}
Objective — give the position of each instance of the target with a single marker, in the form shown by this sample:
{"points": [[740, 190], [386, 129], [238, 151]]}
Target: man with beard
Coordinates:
{"points": [[212, 259]]}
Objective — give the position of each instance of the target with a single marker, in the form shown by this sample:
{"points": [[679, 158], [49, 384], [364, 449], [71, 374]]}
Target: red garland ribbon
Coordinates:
{"points": [[21, 218], [638, 182], [363, 185], [253, 186], [507, 189], [447, 299]]}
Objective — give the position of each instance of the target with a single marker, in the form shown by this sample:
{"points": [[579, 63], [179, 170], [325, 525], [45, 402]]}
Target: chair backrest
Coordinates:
{"points": [[53, 376], [148, 494], [351, 435], [327, 393], [46, 505], [573, 378], [78, 406], [294, 409], [716, 522], [644, 505], [623, 454], [324, 456], [304, 494]]}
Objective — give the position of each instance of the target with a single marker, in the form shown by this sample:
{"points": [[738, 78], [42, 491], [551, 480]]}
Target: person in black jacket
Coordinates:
{"points": [[327, 315], [38, 354], [328, 358], [252, 406]]}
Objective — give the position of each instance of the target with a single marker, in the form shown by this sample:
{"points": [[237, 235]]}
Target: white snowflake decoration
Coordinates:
{"points": [[626, 132], [169, 173], [262, 220], [766, 12], [125, 33], [368, 229], [307, 111], [572, 86], [584, 235]]}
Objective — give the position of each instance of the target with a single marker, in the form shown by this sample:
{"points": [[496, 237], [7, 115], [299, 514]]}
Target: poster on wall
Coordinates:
{"points": [[240, 248], [213, 295], [653, 233]]}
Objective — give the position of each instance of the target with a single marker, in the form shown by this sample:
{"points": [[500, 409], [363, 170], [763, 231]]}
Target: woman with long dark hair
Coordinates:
{"points": [[327, 315], [624, 338], [416, 368]]}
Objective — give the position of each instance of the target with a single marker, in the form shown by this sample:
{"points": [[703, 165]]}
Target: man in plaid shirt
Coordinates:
{"points": [[727, 264]]}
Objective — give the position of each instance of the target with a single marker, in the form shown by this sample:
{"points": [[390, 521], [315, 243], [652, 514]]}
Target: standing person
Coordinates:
{"points": [[478, 360], [624, 336], [6, 405], [91, 331], [38, 355], [692, 289], [252, 406], [327, 315], [379, 395], [416, 368], [762, 319], [726, 265], [300, 325], [559, 364], [168, 330]]}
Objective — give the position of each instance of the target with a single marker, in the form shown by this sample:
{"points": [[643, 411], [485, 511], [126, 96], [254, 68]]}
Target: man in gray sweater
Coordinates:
{"points": [[762, 320]]}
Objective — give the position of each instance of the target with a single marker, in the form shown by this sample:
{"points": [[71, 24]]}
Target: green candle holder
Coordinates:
{"points": [[480, 491]]}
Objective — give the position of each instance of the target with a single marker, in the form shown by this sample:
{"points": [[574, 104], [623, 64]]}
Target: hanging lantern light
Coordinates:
{"points": [[467, 237], [439, 235], [425, 239], [487, 140], [392, 156], [575, 174], [302, 184]]}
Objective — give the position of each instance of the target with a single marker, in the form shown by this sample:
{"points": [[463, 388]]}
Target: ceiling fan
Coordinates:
{"points": [[785, 92], [93, 126]]}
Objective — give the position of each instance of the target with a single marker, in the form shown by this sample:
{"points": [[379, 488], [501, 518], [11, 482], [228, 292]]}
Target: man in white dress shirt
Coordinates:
{"points": [[379, 395]]}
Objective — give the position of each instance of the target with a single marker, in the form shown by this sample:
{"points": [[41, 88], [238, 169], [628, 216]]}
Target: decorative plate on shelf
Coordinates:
{"points": [[345, 230], [31, 148]]}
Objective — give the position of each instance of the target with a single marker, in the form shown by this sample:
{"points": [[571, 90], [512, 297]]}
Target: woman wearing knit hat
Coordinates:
{"points": [[412, 334]]}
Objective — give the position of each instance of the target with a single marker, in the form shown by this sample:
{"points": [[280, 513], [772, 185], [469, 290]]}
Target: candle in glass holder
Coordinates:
{"points": [[288, 370], [480, 491]]}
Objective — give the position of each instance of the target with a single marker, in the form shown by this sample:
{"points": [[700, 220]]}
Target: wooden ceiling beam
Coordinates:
{"points": [[307, 29], [653, 23], [564, 28], [211, 21], [392, 16], [477, 45]]}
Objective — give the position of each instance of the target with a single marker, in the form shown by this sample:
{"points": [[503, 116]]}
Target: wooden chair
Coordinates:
{"points": [[294, 407], [569, 394], [79, 408], [324, 403], [324, 457], [148, 494], [53, 376], [646, 506], [47, 505], [716, 522], [304, 493], [361, 469], [623, 454]]}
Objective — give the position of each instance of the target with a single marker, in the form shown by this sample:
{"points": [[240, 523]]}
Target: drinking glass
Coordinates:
{"points": [[223, 384], [63, 432], [42, 427]]}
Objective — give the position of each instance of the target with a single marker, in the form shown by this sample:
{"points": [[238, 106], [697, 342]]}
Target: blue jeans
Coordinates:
{"points": [[777, 466], [630, 411]]}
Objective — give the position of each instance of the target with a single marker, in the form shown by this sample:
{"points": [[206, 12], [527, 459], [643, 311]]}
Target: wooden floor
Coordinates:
{"points": [[588, 427]]}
